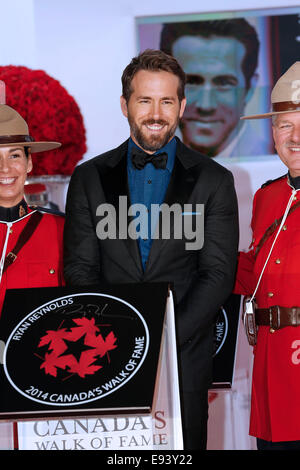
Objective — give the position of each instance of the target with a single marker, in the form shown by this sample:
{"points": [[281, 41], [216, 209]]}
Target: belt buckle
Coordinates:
{"points": [[295, 317], [274, 318]]}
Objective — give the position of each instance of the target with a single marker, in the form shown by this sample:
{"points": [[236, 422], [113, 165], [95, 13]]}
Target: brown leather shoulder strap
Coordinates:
{"points": [[270, 230], [26, 233]]}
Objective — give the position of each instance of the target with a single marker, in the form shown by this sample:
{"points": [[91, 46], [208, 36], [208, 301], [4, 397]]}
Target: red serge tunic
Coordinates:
{"points": [[275, 403], [40, 261]]}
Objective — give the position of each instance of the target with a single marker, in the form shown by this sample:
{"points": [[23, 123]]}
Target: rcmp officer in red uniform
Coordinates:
{"points": [[270, 274], [30, 237]]}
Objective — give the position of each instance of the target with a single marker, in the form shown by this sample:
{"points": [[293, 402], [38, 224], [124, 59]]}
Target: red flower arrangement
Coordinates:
{"points": [[51, 114]]}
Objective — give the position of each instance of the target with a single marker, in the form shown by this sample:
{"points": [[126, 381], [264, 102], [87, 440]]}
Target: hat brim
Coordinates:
{"points": [[267, 115], [34, 146]]}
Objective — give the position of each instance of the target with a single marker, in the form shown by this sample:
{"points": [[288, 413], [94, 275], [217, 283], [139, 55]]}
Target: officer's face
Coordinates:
{"points": [[286, 133], [153, 109], [215, 90], [14, 166]]}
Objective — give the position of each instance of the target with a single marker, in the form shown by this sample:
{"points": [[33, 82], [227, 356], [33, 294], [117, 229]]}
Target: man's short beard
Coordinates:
{"points": [[155, 142]]}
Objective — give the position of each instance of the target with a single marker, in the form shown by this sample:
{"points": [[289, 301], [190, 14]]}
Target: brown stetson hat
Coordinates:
{"points": [[14, 131], [285, 96]]}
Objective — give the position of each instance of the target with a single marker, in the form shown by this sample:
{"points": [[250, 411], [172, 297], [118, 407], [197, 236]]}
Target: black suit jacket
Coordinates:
{"points": [[202, 279]]}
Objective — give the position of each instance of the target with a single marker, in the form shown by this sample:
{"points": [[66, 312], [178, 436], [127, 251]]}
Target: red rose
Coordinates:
{"points": [[51, 114]]}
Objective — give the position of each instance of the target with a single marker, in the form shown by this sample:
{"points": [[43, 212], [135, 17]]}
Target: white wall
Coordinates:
{"points": [[17, 33]]}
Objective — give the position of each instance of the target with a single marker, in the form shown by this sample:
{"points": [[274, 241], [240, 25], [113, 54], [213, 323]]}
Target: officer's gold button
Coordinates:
{"points": [[272, 330], [277, 261], [51, 271], [10, 230], [295, 198], [284, 227], [270, 294]]}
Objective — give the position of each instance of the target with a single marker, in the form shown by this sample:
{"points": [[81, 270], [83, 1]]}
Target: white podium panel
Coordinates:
{"points": [[6, 436]]}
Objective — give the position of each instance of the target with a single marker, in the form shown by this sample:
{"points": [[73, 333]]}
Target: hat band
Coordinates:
{"points": [[286, 106], [10, 139]]}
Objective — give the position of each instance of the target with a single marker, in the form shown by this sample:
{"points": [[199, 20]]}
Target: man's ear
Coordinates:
{"points": [[182, 107], [29, 164], [273, 133], [124, 106]]}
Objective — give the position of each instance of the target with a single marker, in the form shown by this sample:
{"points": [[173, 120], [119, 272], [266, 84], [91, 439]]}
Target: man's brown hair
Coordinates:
{"points": [[153, 61]]}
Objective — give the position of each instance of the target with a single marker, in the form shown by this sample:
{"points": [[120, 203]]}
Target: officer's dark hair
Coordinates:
{"points": [[237, 28], [154, 61]]}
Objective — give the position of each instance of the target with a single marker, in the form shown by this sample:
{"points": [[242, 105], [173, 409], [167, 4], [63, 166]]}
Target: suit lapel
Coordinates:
{"points": [[115, 187], [181, 185]]}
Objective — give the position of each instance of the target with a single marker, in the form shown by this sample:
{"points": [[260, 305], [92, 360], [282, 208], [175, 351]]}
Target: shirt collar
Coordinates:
{"points": [[169, 148], [295, 182], [9, 214]]}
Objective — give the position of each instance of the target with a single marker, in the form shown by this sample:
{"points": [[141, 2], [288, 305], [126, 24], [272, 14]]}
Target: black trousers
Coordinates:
{"points": [[284, 445], [194, 420]]}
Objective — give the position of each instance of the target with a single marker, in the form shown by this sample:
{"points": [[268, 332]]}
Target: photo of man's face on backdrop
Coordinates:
{"points": [[216, 91], [231, 66]]}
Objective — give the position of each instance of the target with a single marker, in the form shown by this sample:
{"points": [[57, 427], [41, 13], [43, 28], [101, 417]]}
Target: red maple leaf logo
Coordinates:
{"points": [[52, 362], [63, 348], [86, 327], [55, 339], [84, 366]]}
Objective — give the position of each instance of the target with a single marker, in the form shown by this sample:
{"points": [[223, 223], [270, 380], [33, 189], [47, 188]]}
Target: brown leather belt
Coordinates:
{"points": [[277, 317]]}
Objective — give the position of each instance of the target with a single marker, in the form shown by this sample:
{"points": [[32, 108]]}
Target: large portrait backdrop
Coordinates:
{"points": [[232, 61]]}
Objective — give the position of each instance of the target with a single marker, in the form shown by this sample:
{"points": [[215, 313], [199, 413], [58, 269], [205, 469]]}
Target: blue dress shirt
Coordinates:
{"points": [[148, 186]]}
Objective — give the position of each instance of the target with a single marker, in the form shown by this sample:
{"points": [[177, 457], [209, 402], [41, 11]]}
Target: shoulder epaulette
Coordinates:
{"points": [[272, 181], [47, 210]]}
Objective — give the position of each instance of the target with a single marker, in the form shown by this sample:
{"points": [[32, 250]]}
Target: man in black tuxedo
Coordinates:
{"points": [[202, 277]]}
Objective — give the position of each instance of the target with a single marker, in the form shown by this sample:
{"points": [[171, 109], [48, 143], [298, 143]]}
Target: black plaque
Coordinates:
{"points": [[70, 352]]}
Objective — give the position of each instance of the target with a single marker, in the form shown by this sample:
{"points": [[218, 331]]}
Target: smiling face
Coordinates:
{"points": [[14, 167], [286, 134], [153, 109], [215, 90]]}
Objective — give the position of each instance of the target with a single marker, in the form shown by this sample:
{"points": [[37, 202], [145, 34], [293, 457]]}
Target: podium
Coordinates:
{"points": [[89, 369]]}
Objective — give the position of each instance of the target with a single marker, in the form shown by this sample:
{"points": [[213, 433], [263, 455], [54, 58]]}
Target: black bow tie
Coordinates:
{"points": [[140, 158]]}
